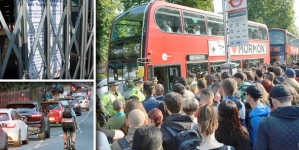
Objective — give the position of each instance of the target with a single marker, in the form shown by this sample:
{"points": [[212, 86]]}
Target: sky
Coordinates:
{"points": [[218, 8]]}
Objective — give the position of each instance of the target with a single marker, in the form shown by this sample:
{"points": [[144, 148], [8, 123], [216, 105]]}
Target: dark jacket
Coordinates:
{"points": [[149, 103], [160, 98], [176, 122], [280, 130]]}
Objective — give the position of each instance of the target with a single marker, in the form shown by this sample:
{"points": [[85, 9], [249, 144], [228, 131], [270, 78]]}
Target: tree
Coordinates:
{"points": [[198, 4], [273, 13], [105, 13]]}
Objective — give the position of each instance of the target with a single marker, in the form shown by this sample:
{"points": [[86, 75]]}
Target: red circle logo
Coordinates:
{"points": [[235, 3]]}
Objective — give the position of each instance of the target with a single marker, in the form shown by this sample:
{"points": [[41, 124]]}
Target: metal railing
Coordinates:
{"points": [[47, 40]]}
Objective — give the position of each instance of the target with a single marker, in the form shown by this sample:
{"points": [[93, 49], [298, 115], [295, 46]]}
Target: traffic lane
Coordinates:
{"points": [[84, 137]]}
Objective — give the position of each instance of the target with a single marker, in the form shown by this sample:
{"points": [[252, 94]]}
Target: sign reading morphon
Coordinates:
{"points": [[216, 48]]}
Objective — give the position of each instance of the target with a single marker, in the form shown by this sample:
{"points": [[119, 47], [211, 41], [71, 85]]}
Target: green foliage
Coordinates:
{"points": [[273, 13], [206, 5], [105, 13], [8, 86]]}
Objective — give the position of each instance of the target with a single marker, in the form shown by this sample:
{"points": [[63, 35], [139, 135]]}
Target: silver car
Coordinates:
{"points": [[83, 99]]}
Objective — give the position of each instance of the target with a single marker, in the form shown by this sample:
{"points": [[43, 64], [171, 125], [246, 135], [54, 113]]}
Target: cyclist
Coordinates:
{"points": [[69, 122]]}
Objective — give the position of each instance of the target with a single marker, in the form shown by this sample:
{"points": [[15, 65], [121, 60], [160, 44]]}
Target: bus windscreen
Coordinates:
{"points": [[276, 37]]}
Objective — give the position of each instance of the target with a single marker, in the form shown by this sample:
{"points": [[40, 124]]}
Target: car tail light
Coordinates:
{"points": [[10, 125], [36, 116]]}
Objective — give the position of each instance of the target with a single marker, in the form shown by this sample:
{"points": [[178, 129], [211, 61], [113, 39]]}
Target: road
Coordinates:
{"points": [[84, 138]]}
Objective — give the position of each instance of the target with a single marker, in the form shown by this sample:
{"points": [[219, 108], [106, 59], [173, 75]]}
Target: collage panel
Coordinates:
{"points": [[47, 39], [47, 115]]}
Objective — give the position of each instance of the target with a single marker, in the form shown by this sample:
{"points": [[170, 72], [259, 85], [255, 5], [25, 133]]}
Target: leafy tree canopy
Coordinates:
{"points": [[273, 13]]}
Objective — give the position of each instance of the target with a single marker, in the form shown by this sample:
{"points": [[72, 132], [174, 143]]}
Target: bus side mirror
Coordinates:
{"points": [[140, 72]]}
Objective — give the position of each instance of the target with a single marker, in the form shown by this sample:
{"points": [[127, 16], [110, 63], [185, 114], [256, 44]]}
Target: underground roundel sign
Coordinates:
{"points": [[235, 3]]}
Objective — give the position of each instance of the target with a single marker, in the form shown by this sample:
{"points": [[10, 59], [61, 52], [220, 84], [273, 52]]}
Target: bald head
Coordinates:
{"points": [[136, 118]]}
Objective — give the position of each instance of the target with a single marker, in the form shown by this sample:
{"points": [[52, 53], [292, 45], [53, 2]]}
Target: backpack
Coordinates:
{"points": [[67, 113], [185, 140], [124, 144]]}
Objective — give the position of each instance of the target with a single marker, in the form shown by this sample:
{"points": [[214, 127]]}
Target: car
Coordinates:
{"points": [[4, 138], [83, 87], [54, 109], [102, 88], [37, 119], [83, 99], [74, 103], [12, 123]]}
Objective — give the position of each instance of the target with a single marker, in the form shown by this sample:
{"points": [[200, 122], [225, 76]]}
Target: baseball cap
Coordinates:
{"points": [[254, 91], [290, 72], [280, 91]]}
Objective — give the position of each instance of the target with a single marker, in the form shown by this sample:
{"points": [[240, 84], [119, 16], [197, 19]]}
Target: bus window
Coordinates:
{"points": [[245, 64], [237, 62], [168, 20], [253, 63], [215, 67], [194, 23], [215, 26], [263, 35], [276, 37], [128, 25], [261, 60], [252, 32], [199, 69]]}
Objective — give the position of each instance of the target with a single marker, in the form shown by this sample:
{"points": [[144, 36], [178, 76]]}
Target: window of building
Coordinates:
{"points": [[168, 20], [194, 24], [215, 26]]}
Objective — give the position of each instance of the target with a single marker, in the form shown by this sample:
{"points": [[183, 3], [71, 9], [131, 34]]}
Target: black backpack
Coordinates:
{"points": [[67, 113], [124, 144], [185, 140]]}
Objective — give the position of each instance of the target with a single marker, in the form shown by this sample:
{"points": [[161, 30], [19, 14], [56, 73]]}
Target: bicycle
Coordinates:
{"points": [[69, 139]]}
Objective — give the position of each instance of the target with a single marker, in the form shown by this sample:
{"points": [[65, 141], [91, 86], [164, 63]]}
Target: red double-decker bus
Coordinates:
{"points": [[168, 40], [284, 46]]}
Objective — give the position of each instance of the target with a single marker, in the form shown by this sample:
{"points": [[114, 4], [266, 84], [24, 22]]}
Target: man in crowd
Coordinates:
{"points": [[109, 97], [184, 82], [206, 97], [258, 75], [242, 85], [136, 119], [154, 80], [119, 117], [289, 73], [147, 137], [280, 129], [253, 95], [149, 102], [192, 79], [159, 92], [210, 80], [175, 121], [136, 91], [277, 78], [229, 88]]}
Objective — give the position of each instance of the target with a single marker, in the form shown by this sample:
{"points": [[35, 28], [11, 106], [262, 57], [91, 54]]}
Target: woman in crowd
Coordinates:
{"points": [[155, 117], [230, 131], [207, 122], [265, 95]]}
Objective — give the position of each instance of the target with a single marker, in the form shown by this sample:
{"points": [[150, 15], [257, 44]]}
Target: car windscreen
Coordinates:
{"points": [[50, 106], [4, 117], [20, 106], [64, 102]]}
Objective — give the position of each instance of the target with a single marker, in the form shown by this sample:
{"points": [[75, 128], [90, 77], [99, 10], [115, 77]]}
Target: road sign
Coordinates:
{"points": [[237, 22]]}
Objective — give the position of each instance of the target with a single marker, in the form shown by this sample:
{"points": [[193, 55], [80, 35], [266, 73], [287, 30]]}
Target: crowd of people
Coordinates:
{"points": [[251, 109]]}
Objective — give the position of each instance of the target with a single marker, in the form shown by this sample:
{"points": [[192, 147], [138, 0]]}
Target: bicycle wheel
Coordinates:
{"points": [[69, 139]]}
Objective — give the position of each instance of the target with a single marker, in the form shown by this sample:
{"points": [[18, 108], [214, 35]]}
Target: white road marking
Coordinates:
{"points": [[39, 144]]}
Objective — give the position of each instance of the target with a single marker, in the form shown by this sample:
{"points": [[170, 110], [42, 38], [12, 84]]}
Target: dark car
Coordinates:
{"points": [[74, 103], [37, 119]]}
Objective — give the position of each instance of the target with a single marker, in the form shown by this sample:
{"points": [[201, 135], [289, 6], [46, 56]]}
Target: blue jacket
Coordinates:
{"points": [[149, 103], [279, 130], [255, 117], [160, 98]]}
